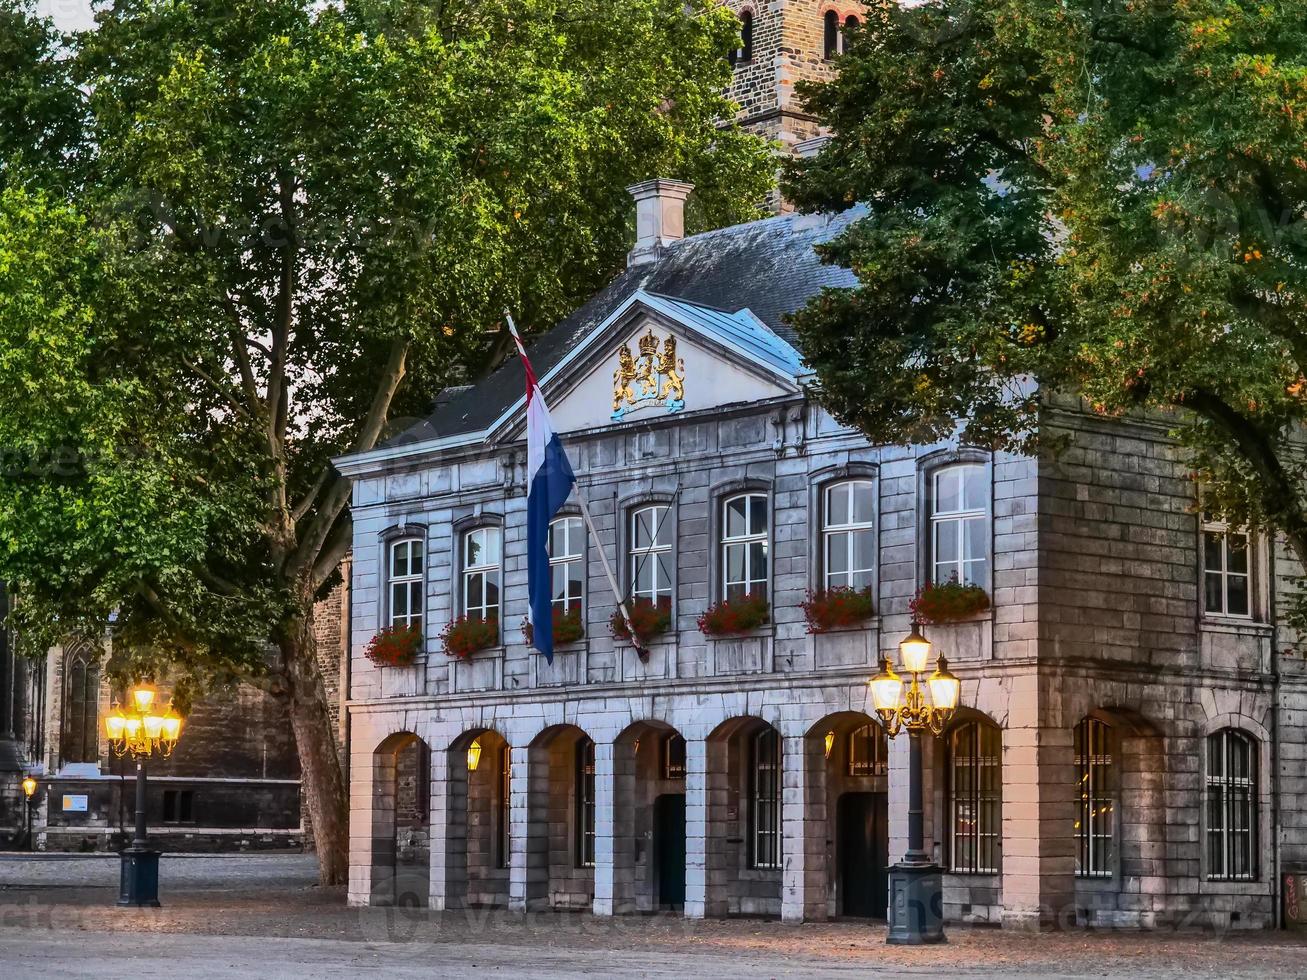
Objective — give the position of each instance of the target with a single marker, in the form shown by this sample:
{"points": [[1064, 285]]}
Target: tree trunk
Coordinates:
{"points": [[321, 776]]}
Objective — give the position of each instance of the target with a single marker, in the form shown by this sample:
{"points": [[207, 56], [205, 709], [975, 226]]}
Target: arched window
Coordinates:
{"points": [[566, 563], [765, 799], [651, 554], [959, 524], [585, 803], [744, 53], [1095, 836], [975, 797], [868, 751], [481, 573], [79, 740], [848, 535], [406, 583], [744, 545], [851, 24], [831, 39], [1231, 806], [673, 756]]}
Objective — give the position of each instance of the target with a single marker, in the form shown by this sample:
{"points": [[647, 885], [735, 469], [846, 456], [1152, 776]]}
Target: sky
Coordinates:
{"points": [[69, 15]]}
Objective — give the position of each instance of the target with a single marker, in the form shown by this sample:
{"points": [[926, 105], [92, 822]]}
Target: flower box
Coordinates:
{"points": [[731, 617], [648, 620], [394, 646], [463, 637], [829, 609], [568, 627], [950, 602]]}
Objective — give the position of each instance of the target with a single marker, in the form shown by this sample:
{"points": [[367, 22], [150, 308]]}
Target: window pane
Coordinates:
{"points": [[837, 504], [558, 581], [415, 558], [644, 574], [1212, 593], [492, 594], [642, 535], [837, 555], [863, 503], [974, 542], [492, 546], [735, 555], [1212, 550], [757, 515], [474, 548], [665, 574], [947, 491], [662, 527], [398, 601], [758, 564], [736, 517], [1237, 553], [1237, 595], [399, 559], [946, 541], [864, 556], [974, 496], [415, 598], [476, 590]]}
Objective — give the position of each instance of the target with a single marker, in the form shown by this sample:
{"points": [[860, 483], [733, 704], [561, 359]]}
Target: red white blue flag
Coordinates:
{"points": [[549, 482]]}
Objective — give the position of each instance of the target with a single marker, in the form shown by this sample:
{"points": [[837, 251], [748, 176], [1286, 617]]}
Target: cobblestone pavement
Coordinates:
{"points": [[215, 906]]}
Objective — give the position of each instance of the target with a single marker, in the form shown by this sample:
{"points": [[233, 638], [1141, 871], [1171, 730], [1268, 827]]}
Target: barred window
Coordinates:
{"points": [[481, 554], [765, 796], [585, 803], [848, 535], [868, 751], [1095, 837], [651, 554], [567, 563], [1231, 806], [1226, 576], [406, 583], [744, 545], [959, 524], [975, 797], [673, 757]]}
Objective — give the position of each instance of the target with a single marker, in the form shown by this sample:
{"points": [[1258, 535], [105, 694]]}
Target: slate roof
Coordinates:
{"points": [[767, 267]]}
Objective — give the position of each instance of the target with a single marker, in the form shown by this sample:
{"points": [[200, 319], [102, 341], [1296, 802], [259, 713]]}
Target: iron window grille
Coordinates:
{"points": [[1095, 824], [765, 796], [975, 786], [1231, 806], [585, 803]]}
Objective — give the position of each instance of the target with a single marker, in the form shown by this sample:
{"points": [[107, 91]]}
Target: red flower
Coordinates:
{"points": [[840, 606], [948, 603], [648, 620], [394, 646], [732, 616], [463, 637]]}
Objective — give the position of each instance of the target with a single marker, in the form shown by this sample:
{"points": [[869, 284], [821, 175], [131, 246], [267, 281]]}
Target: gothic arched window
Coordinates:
{"points": [[79, 739], [744, 53]]}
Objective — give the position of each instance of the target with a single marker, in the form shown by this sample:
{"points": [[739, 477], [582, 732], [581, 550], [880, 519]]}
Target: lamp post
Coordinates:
{"points": [[141, 732], [29, 794], [916, 889]]}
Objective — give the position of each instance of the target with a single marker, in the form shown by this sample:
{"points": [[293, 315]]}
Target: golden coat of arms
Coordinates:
{"points": [[655, 378]]}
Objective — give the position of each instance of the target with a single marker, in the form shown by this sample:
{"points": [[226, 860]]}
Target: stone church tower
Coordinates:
{"points": [[785, 42]]}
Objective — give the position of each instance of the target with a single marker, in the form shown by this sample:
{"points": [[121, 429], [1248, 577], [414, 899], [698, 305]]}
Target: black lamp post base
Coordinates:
{"points": [[138, 883], [916, 905]]}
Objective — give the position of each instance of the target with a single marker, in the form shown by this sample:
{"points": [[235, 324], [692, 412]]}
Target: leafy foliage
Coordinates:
{"points": [[464, 636], [394, 646], [948, 602], [1099, 200], [569, 627], [648, 620]]}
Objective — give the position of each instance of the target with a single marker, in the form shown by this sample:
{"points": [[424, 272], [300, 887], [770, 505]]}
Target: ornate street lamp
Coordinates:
{"points": [[916, 904], [141, 732], [29, 794]]}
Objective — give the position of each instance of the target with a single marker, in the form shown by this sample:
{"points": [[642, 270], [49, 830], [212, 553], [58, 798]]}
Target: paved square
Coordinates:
{"points": [[264, 918]]}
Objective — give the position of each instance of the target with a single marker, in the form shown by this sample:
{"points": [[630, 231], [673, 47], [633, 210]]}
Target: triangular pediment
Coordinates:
{"points": [[657, 357]]}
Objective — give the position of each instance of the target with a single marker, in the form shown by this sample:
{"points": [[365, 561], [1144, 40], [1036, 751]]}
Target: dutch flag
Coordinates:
{"points": [[549, 482]]}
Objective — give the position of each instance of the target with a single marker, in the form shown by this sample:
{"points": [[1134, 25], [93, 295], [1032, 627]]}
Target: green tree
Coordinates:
{"points": [[1104, 199], [279, 225]]}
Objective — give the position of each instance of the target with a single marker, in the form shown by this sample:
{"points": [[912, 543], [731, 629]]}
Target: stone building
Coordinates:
{"points": [[1130, 745], [232, 783]]}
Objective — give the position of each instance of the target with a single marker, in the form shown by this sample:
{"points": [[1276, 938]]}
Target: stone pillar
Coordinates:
{"points": [[898, 780], [696, 828], [361, 816], [448, 832], [528, 872], [1039, 815], [605, 821], [804, 879]]}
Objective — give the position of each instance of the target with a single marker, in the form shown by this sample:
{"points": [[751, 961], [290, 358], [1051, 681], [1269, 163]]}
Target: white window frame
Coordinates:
{"points": [[746, 541], [846, 534], [574, 543], [1224, 573], [410, 583], [955, 522], [485, 569], [662, 538]]}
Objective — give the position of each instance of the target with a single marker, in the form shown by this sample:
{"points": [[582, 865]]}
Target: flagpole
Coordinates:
{"points": [[590, 525]]}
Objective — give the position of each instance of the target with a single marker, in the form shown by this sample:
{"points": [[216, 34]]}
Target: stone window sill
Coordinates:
{"points": [[1240, 627]]}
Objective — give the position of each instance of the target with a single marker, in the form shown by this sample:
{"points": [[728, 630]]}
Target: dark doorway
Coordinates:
{"points": [[669, 849], [862, 842]]}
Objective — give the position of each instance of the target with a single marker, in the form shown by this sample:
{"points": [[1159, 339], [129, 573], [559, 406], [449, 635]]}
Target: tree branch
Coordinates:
{"points": [[306, 504], [336, 548], [218, 388]]}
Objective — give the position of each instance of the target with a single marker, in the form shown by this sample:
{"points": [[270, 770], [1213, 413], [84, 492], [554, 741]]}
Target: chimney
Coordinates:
{"points": [[659, 217]]}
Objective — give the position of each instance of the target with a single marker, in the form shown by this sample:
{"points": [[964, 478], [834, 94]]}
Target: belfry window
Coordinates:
{"points": [[744, 53]]}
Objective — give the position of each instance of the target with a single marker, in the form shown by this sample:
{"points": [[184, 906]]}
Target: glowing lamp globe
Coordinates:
{"points": [[886, 688], [944, 687], [115, 725], [143, 697], [474, 755], [172, 726], [29, 787], [153, 726], [914, 651]]}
